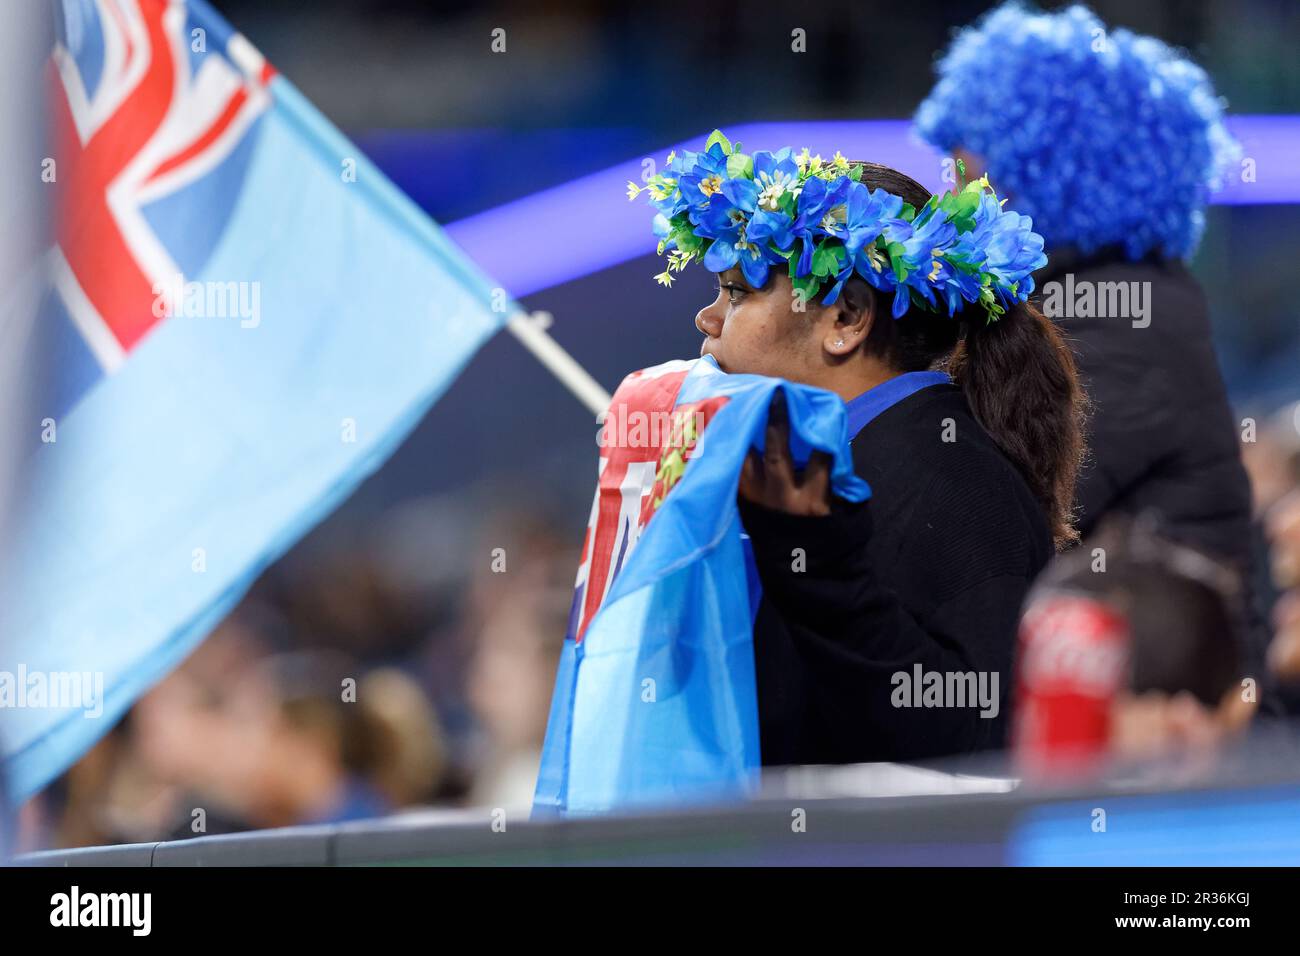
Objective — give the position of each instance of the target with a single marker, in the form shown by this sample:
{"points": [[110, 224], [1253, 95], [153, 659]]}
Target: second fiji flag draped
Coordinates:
{"points": [[655, 700]]}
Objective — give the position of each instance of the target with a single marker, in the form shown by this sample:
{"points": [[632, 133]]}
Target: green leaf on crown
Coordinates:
{"points": [[740, 166], [717, 137], [685, 238], [806, 286], [965, 204], [828, 259], [897, 263]]}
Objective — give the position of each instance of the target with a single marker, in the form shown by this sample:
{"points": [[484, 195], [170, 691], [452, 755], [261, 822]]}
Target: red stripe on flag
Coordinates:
{"points": [[235, 104], [639, 395], [90, 235]]}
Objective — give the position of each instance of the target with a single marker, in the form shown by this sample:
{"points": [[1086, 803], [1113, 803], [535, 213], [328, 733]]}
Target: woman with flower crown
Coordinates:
{"points": [[964, 418]]}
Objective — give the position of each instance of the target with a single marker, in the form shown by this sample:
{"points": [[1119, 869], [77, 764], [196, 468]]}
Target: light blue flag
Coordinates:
{"points": [[655, 700], [246, 331]]}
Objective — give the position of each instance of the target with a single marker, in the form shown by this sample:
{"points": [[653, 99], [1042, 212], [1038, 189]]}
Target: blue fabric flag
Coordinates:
{"points": [[655, 701], [247, 317]]}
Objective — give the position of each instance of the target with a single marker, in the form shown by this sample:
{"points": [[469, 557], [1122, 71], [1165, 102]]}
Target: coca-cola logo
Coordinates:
{"points": [[1072, 644]]}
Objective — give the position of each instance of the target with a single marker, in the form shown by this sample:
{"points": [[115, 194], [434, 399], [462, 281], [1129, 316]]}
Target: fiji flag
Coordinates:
{"points": [[655, 700], [245, 317]]}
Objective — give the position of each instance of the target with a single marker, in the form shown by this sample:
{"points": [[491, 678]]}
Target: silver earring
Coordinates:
{"points": [[839, 343]]}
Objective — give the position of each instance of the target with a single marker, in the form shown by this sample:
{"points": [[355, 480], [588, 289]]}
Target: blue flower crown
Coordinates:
{"points": [[725, 208]]}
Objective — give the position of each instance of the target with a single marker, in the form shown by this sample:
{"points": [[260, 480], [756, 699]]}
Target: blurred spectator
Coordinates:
{"points": [[1273, 458], [1131, 649], [239, 738], [185, 756], [370, 675], [1273, 461], [74, 810], [320, 743], [511, 676], [168, 758], [408, 751], [522, 602], [1284, 531]]}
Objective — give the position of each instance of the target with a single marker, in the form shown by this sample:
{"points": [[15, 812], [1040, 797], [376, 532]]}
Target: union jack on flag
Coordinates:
{"points": [[155, 106], [635, 450]]}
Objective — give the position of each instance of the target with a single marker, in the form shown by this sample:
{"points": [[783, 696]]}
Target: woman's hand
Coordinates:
{"points": [[772, 481]]}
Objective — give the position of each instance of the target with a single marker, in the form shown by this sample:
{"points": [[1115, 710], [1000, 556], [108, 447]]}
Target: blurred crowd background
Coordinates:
{"points": [[398, 597]]}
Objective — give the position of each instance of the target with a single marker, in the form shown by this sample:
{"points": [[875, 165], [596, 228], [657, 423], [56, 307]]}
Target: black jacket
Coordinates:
{"points": [[932, 570], [1161, 434], [1162, 437]]}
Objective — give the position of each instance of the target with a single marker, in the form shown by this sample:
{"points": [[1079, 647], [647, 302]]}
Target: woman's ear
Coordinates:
{"points": [[849, 319]]}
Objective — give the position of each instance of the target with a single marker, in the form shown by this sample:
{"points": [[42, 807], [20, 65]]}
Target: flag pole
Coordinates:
{"points": [[530, 330]]}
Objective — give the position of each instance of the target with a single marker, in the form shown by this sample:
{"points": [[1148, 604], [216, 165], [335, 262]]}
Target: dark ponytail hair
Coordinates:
{"points": [[1017, 373], [1020, 381]]}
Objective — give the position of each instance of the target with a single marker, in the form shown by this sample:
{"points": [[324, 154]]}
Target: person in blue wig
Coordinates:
{"points": [[1112, 143]]}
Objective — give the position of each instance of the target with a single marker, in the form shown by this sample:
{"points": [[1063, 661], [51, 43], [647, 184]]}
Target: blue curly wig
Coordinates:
{"points": [[1117, 147]]}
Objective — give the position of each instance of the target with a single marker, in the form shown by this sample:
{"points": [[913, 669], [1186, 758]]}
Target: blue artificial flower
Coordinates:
{"points": [[702, 180], [920, 238], [683, 162], [767, 236], [865, 215], [725, 221], [775, 174], [754, 262], [1012, 251], [774, 227], [833, 292], [873, 265], [970, 245], [727, 211], [815, 203], [670, 206], [955, 285], [845, 210]]}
